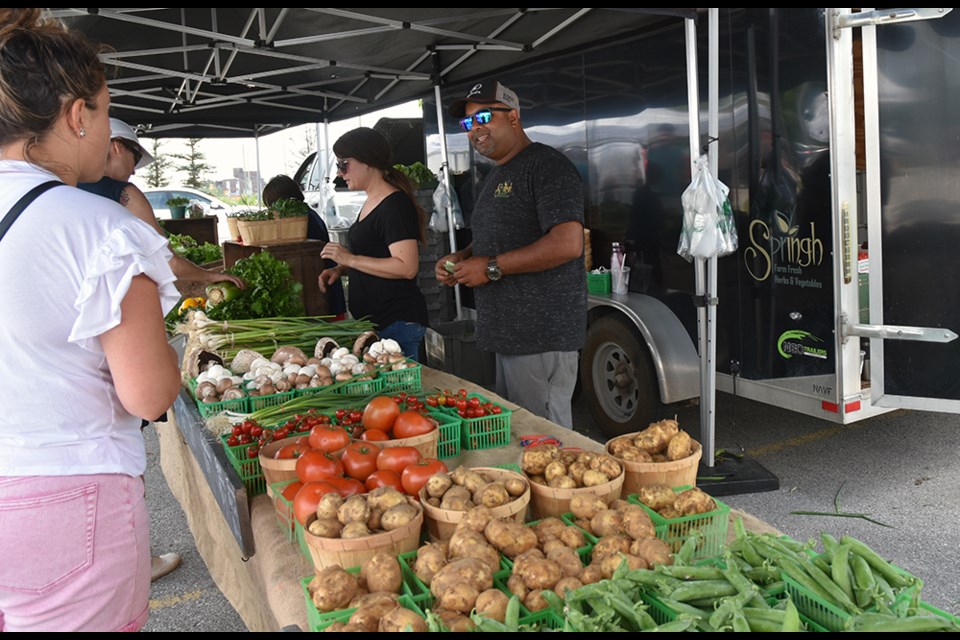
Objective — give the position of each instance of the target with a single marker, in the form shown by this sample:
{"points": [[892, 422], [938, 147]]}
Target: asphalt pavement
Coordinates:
{"points": [[900, 470]]}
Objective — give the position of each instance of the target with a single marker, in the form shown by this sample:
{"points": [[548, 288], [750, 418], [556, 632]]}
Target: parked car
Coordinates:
{"points": [[158, 196]]}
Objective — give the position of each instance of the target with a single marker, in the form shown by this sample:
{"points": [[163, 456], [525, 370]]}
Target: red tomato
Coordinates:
{"points": [[329, 438], [348, 486], [415, 475], [360, 460], [379, 479], [412, 423], [290, 491], [380, 413], [287, 452], [308, 497], [374, 435], [396, 458], [315, 465]]}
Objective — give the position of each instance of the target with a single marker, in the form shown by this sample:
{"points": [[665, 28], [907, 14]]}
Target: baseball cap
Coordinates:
{"points": [[120, 129], [485, 92]]}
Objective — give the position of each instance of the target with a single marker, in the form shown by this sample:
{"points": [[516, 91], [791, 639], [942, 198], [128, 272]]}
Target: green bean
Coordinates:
{"points": [[893, 577]]}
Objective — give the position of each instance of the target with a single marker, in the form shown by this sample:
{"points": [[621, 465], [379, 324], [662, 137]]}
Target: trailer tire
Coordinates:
{"points": [[618, 377]]}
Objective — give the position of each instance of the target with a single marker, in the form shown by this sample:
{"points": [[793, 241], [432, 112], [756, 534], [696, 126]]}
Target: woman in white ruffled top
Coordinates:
{"points": [[85, 287]]}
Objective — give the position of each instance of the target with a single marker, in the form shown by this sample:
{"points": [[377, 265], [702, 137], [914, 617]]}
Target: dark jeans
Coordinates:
{"points": [[408, 334]]}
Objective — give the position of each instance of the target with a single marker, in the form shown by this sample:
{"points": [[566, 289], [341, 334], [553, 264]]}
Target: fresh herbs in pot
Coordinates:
{"points": [[271, 291], [289, 208]]}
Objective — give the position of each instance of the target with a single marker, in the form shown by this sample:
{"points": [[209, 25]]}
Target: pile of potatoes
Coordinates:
{"points": [[561, 469], [373, 592], [465, 488], [671, 504], [365, 514], [662, 441], [459, 571]]}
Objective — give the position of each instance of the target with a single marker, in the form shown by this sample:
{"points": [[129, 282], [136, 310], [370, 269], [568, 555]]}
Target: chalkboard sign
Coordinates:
{"points": [[227, 488]]}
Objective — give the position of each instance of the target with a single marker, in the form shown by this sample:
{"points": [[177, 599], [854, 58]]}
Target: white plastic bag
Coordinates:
{"points": [[438, 221], [708, 226], [328, 206]]}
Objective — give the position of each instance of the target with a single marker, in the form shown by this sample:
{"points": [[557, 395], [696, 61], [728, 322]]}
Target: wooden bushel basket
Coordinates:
{"points": [[425, 444], [355, 552], [292, 229], [547, 501], [441, 523], [673, 473], [274, 470]]}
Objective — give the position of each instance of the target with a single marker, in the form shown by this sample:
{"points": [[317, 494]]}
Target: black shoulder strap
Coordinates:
{"points": [[22, 204]]}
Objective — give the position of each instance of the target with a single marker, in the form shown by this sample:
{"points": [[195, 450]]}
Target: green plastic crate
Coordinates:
{"points": [[406, 380], [674, 531], [208, 409], [487, 432], [599, 282], [284, 510], [448, 442], [362, 388], [569, 518], [255, 403], [247, 468], [544, 620]]}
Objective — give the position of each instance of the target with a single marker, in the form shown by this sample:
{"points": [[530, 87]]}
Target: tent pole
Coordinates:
{"points": [[448, 185], [709, 388]]}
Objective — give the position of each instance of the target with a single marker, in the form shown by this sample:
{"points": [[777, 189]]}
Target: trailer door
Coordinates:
{"points": [[912, 139]]}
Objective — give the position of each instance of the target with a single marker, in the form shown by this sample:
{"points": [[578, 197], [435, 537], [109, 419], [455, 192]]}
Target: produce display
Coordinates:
{"points": [[551, 466]]}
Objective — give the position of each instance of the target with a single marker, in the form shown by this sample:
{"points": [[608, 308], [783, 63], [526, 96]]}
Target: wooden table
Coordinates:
{"points": [[262, 581]]}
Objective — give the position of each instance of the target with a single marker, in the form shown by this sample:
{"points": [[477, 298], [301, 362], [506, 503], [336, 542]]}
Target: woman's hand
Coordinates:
{"points": [[216, 276], [327, 278], [336, 252]]}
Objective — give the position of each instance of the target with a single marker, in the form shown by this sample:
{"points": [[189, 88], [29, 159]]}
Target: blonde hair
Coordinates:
{"points": [[68, 66]]}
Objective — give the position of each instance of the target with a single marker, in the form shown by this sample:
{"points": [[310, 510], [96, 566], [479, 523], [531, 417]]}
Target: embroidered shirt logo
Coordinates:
{"points": [[504, 190]]}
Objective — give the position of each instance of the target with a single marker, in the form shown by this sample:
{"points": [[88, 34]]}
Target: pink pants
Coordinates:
{"points": [[74, 553]]}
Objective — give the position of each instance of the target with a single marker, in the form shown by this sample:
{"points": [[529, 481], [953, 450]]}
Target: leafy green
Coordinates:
{"points": [[290, 208], [254, 215], [419, 174], [187, 247], [271, 291]]}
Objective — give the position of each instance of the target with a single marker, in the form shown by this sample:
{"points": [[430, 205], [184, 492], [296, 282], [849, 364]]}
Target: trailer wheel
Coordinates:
{"points": [[618, 377]]}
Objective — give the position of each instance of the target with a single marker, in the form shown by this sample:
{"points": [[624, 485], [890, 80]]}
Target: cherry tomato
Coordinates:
{"points": [[360, 460], [315, 465], [415, 475], [380, 413], [233, 441], [307, 498], [396, 458], [237, 430], [329, 438], [384, 478], [412, 423], [374, 435]]}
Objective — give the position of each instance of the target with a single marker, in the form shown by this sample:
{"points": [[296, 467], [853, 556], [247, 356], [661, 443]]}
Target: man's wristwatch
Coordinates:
{"points": [[493, 270]]}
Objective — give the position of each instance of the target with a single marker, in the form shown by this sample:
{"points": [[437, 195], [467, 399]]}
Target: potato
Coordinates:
{"points": [[516, 586], [492, 604], [534, 601], [657, 496], [491, 495], [467, 543], [399, 619], [476, 519], [328, 506], [612, 562], [637, 524], [606, 465], [657, 436], [534, 460], [368, 616], [433, 502], [508, 537], [670, 513], [456, 498], [332, 589], [541, 574], [573, 537], [325, 527], [516, 487], [586, 505], [455, 621], [591, 573], [373, 522], [551, 544], [462, 570], [568, 560], [635, 454], [653, 550], [593, 478], [430, 559], [576, 471], [383, 498], [607, 522], [526, 558], [354, 509], [554, 469], [562, 482], [680, 446], [610, 544], [354, 530], [461, 538], [438, 484], [618, 445], [693, 501], [398, 516], [473, 481], [459, 597], [382, 573], [366, 599], [547, 528], [566, 584]]}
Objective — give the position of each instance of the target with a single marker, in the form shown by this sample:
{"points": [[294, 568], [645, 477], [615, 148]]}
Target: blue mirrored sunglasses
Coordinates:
{"points": [[480, 117]]}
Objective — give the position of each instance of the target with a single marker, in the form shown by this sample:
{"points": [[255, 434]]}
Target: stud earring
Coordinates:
{"points": [[83, 134]]}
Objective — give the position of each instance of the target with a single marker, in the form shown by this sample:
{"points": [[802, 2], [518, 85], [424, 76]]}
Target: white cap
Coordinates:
{"points": [[120, 129]]}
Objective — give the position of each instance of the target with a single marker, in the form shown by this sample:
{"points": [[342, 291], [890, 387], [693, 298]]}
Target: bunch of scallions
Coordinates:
{"points": [[266, 335]]}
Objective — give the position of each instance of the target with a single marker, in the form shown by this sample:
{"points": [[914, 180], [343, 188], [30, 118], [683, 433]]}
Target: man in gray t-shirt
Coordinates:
{"points": [[526, 260]]}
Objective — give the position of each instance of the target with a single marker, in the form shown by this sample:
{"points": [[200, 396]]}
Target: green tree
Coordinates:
{"points": [[192, 163], [157, 170]]}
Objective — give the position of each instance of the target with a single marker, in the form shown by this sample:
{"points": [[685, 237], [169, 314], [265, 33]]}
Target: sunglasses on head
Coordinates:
{"points": [[137, 154], [480, 117], [343, 165]]}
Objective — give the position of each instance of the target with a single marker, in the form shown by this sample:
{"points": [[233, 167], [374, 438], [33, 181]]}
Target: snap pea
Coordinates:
{"points": [[830, 543], [765, 620], [512, 613], [910, 624], [685, 555], [702, 589], [840, 570], [864, 584], [683, 608], [749, 592], [893, 577], [690, 572], [651, 578], [791, 621], [740, 623], [837, 594], [681, 623]]}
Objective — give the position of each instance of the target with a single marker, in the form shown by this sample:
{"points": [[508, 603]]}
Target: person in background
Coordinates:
{"points": [[284, 187], [384, 255], [124, 157], [87, 289], [525, 262]]}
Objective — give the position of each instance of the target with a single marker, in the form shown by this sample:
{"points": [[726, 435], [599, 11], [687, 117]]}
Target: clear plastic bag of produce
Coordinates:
{"points": [[441, 199], [708, 226]]}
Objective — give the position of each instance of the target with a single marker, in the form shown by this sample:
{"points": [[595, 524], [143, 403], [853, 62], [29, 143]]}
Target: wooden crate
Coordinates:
{"points": [[305, 266]]}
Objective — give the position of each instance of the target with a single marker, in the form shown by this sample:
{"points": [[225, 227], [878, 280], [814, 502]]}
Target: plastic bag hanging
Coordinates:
{"points": [[328, 206], [708, 225], [438, 221]]}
